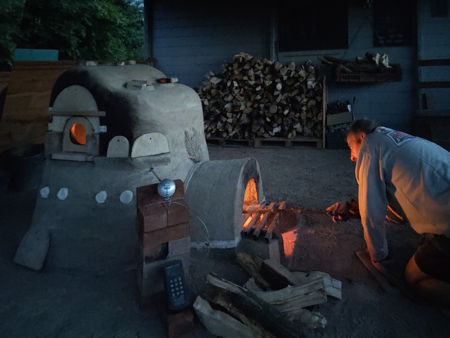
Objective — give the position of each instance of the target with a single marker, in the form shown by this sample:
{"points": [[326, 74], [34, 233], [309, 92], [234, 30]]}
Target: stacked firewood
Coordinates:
{"points": [[256, 97], [273, 303]]}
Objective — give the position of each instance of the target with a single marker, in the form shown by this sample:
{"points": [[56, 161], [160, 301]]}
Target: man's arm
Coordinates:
{"points": [[372, 203]]}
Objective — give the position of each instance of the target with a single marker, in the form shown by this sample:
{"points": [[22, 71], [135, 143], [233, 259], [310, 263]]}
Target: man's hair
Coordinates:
{"points": [[363, 125]]}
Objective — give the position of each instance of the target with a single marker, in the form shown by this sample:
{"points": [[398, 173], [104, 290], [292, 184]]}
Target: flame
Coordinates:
{"points": [[251, 194], [78, 134]]}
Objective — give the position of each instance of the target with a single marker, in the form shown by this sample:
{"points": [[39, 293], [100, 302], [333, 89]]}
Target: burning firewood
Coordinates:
{"points": [[263, 219], [256, 97], [273, 223], [249, 224]]}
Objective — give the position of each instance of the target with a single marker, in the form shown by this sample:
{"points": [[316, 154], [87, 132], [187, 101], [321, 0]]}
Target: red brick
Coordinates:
{"points": [[149, 240], [152, 217], [159, 215], [177, 213]]}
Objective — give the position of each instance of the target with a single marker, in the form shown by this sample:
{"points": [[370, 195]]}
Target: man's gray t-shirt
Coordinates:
{"points": [[410, 174]]}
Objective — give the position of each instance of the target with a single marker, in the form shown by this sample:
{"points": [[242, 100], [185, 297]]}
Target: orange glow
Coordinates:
{"points": [[251, 194], [78, 134], [289, 239], [247, 222]]}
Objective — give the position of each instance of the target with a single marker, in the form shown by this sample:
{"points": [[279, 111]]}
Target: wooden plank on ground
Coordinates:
{"points": [[384, 284]]}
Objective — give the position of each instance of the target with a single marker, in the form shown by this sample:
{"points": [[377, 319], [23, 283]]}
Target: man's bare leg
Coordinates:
{"points": [[430, 288]]}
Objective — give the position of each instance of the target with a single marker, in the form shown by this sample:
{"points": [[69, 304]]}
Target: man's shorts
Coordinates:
{"points": [[433, 256]]}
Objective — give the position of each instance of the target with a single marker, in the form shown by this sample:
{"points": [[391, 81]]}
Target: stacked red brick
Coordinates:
{"points": [[164, 235]]}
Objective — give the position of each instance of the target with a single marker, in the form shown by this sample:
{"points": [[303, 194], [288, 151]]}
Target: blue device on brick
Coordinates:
{"points": [[176, 290]]}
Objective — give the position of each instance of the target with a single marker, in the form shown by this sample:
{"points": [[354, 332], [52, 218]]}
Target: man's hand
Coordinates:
{"points": [[341, 211], [338, 211]]}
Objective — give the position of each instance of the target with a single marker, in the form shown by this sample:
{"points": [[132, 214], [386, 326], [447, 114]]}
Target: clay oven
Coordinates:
{"points": [[114, 129]]}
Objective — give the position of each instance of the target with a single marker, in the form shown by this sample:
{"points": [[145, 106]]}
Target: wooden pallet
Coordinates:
{"points": [[269, 141], [223, 142], [286, 142]]}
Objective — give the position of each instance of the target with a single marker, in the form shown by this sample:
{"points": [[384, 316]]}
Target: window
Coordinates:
{"points": [[393, 22], [312, 25]]}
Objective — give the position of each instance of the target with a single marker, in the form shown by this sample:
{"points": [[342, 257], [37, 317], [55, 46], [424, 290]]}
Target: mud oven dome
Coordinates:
{"points": [[114, 129]]}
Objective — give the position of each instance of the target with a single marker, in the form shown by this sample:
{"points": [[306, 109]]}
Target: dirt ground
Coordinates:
{"points": [[75, 303]]}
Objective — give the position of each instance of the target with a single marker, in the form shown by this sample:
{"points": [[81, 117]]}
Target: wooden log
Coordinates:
{"points": [[252, 268], [222, 302], [253, 208], [279, 277], [219, 323], [249, 225], [282, 205], [291, 298], [271, 227], [262, 312], [274, 91], [309, 318], [267, 213], [333, 287]]}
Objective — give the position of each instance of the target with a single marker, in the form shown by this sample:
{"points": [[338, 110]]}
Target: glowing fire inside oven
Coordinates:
{"points": [[78, 134], [259, 219]]}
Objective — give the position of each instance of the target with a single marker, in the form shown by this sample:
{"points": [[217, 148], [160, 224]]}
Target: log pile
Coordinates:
{"points": [[256, 97], [271, 304]]}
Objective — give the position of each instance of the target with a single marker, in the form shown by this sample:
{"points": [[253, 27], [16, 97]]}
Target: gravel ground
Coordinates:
{"points": [[73, 303]]}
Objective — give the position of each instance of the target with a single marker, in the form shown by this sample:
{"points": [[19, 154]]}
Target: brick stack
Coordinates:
{"points": [[164, 235]]}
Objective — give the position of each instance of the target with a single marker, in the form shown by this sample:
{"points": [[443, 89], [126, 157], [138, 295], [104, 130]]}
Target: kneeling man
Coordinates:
{"points": [[409, 177]]}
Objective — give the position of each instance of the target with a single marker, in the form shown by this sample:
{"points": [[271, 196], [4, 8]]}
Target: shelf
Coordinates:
{"points": [[385, 75]]}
